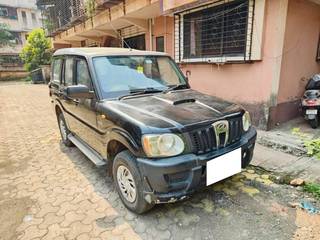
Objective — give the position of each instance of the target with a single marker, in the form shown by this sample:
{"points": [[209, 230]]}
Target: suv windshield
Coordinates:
{"points": [[121, 75]]}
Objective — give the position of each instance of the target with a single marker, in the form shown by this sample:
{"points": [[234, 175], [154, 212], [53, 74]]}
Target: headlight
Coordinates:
{"points": [[246, 121], [162, 145]]}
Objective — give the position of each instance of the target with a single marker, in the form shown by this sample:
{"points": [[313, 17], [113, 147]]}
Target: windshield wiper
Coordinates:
{"points": [[175, 87], [139, 91]]}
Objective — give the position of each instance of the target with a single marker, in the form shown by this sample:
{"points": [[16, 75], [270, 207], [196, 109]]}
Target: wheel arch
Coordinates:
{"points": [[119, 141]]}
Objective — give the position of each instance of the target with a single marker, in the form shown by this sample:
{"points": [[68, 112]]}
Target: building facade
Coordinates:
{"points": [[258, 53], [21, 16]]}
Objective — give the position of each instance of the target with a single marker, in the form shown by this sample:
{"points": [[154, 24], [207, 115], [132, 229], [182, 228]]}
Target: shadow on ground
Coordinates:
{"points": [[246, 206]]}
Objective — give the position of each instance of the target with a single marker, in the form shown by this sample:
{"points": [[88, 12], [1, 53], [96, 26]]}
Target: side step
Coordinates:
{"points": [[88, 151]]}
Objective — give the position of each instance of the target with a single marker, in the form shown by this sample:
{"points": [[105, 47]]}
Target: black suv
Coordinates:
{"points": [[135, 112]]}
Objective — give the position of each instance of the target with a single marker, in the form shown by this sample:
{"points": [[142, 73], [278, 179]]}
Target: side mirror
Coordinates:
{"points": [[188, 73], [79, 92]]}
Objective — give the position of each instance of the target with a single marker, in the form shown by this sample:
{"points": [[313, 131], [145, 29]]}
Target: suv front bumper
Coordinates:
{"points": [[174, 178]]}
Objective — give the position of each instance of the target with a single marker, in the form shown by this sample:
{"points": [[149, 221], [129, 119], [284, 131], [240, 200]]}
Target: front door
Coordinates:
{"points": [[85, 109], [68, 103]]}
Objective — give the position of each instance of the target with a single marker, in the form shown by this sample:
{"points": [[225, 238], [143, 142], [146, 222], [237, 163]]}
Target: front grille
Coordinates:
{"points": [[235, 129], [204, 140]]}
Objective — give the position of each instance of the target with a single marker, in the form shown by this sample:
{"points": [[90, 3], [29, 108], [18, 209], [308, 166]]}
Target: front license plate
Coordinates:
{"points": [[223, 166], [311, 111]]}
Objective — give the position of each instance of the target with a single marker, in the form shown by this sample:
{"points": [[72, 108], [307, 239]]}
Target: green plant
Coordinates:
{"points": [[311, 145], [90, 7], [36, 51], [6, 38], [313, 188], [48, 25]]}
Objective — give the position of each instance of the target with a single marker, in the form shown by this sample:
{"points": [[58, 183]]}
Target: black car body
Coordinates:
{"points": [[160, 138]]}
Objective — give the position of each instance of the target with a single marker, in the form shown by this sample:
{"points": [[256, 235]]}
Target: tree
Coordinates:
{"points": [[5, 36], [36, 51]]}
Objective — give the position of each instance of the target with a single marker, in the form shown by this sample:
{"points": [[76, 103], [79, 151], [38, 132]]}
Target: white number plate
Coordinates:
{"points": [[311, 111], [223, 166]]}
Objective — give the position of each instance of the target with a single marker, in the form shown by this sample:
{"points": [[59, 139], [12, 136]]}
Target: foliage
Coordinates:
{"points": [[90, 7], [313, 188], [36, 51], [5, 36], [48, 25], [311, 145]]}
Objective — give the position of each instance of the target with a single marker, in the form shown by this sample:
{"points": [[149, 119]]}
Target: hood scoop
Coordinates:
{"points": [[190, 100]]}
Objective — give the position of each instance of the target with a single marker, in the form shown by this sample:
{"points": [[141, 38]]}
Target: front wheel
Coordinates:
{"points": [[314, 122], [129, 183]]}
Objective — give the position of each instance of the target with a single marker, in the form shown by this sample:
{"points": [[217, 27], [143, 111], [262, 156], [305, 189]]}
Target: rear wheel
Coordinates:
{"points": [[314, 122], [64, 131], [129, 183]]}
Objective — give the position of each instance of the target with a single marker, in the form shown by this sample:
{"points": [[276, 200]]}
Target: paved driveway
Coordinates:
{"points": [[48, 191]]}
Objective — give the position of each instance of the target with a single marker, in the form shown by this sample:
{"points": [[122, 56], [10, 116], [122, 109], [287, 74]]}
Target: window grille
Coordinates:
{"points": [[61, 14], [218, 32], [3, 12]]}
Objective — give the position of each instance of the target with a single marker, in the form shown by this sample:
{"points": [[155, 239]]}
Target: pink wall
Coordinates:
{"points": [[249, 83], [164, 26], [300, 48]]}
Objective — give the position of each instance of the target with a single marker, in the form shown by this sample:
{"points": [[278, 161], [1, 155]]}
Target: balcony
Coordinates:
{"points": [[103, 4], [60, 15]]}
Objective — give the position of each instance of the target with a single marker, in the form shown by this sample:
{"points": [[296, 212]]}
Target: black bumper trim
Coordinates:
{"points": [[156, 172]]}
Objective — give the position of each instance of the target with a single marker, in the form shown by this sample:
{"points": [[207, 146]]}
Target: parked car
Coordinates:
{"points": [[311, 101], [135, 112]]}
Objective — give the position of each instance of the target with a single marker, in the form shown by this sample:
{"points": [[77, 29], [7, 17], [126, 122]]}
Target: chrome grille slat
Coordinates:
{"points": [[203, 140]]}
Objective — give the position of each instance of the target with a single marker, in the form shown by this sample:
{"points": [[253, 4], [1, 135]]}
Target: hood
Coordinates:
{"points": [[176, 109]]}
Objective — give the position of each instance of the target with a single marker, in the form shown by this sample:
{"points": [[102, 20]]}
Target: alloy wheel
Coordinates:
{"points": [[126, 183]]}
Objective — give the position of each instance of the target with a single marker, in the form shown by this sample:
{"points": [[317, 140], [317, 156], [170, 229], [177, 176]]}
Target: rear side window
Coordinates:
{"points": [[56, 70], [68, 72], [82, 73]]}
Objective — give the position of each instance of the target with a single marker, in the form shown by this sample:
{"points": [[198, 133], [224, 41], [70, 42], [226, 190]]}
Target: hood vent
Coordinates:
{"points": [[191, 100]]}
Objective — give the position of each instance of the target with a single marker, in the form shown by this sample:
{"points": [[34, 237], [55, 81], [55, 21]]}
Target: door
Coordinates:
{"points": [[68, 103], [85, 109]]}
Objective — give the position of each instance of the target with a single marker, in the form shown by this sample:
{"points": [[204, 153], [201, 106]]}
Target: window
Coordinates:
{"points": [[68, 72], [82, 76], [56, 66], [136, 42], [160, 44], [34, 19], [24, 18], [215, 32], [3, 12], [118, 75]]}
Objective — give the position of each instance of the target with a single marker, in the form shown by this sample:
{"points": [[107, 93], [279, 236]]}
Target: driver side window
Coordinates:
{"points": [[82, 73]]}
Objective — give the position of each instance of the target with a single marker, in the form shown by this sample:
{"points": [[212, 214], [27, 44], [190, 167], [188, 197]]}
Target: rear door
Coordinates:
{"points": [[56, 74]]}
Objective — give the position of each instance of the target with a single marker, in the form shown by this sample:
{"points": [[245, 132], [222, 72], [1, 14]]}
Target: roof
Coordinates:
{"points": [[105, 51]]}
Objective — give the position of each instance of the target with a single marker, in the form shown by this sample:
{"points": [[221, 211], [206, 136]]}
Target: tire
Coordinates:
{"points": [[64, 131], [314, 122], [125, 161]]}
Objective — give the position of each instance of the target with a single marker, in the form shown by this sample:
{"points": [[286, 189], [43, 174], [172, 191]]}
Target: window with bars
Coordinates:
{"points": [[34, 19], [3, 12], [217, 32], [24, 18]]}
